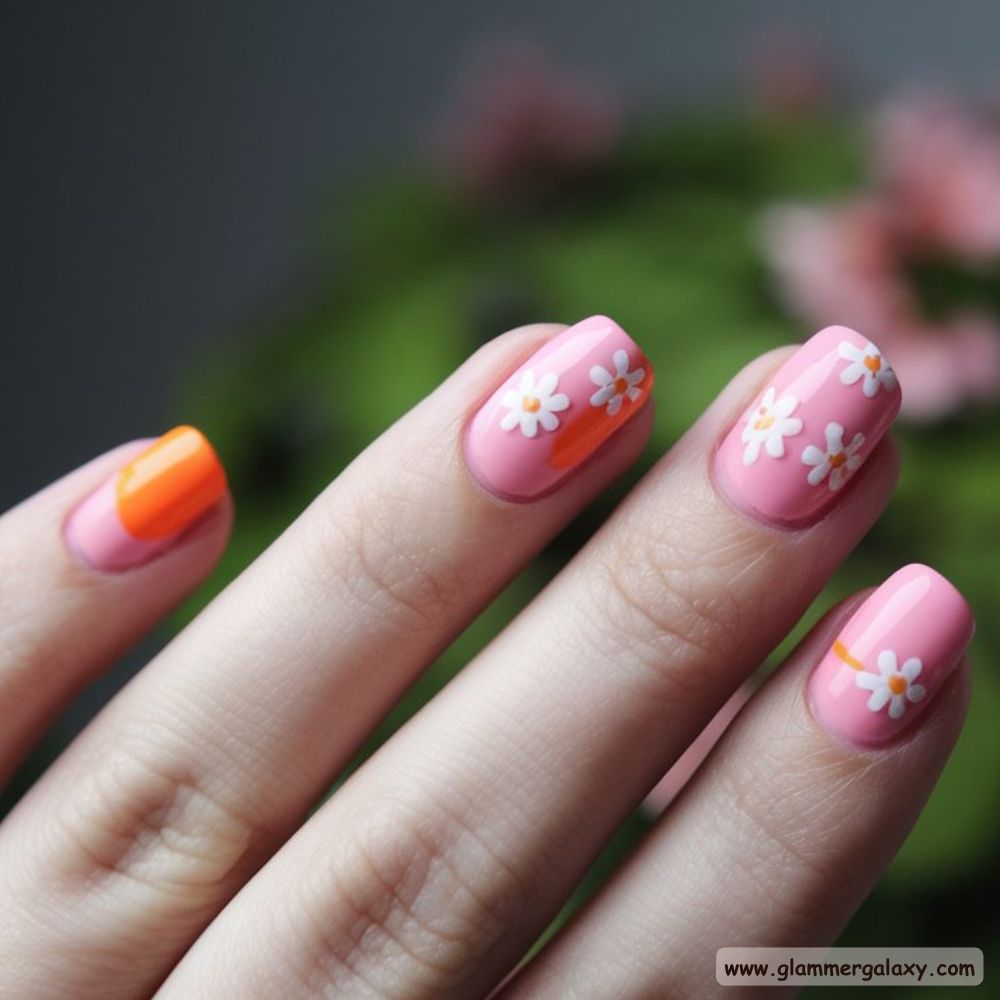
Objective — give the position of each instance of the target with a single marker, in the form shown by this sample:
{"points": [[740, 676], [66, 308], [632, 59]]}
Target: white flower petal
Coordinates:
{"points": [[888, 378], [547, 384], [602, 395], [853, 463], [915, 692], [768, 400], [789, 426], [601, 376], [785, 406], [510, 420], [878, 700], [856, 442], [634, 378], [752, 451], [897, 706], [527, 383], [557, 403], [529, 424], [818, 474], [848, 351], [614, 405], [775, 446], [834, 435], [811, 455], [887, 662], [868, 681], [620, 359], [836, 478], [852, 373], [548, 420], [911, 668], [871, 385], [633, 393]]}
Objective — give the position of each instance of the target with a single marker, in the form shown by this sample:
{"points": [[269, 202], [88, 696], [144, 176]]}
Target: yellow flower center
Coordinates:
{"points": [[621, 386], [897, 684], [836, 461], [764, 421], [873, 362], [531, 404]]}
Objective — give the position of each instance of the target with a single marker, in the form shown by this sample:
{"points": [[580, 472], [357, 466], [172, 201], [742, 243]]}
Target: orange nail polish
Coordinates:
{"points": [[141, 509]]}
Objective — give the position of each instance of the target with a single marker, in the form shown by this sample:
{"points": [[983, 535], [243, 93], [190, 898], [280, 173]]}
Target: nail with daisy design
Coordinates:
{"points": [[891, 658], [810, 429], [557, 409]]}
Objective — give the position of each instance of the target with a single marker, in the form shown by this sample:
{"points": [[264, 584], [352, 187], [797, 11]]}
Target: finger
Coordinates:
{"points": [[67, 605], [460, 839], [784, 832], [208, 760]]}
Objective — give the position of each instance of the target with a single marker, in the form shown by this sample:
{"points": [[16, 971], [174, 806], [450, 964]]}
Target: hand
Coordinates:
{"points": [[171, 846]]}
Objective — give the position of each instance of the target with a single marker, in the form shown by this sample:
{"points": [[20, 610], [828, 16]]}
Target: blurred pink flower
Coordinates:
{"points": [[519, 120], [938, 196], [940, 168]]}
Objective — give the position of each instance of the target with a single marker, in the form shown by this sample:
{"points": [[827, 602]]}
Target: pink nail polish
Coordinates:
{"points": [[819, 417], [557, 409], [891, 657]]}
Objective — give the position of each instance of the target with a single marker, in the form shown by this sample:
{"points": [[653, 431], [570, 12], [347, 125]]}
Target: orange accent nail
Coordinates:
{"points": [[171, 483]]}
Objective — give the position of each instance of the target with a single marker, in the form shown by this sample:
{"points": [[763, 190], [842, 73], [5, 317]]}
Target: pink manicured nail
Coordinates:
{"points": [[891, 657], [819, 417], [557, 409]]}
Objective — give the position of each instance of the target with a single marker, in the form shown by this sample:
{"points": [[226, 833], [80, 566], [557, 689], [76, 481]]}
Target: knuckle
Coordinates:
{"points": [[411, 904], [381, 543], [656, 592], [142, 816]]}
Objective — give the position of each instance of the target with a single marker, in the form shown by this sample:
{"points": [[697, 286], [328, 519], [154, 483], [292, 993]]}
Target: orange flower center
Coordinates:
{"points": [[897, 684], [836, 461], [873, 362], [621, 386], [764, 421], [531, 404]]}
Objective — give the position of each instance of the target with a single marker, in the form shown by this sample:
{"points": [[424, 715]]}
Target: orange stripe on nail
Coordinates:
{"points": [[840, 651], [165, 488]]}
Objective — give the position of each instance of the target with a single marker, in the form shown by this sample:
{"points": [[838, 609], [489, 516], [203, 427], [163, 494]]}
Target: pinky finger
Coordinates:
{"points": [[796, 814], [92, 562]]}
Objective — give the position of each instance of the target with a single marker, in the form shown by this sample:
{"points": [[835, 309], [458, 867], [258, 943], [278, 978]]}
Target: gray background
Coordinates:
{"points": [[161, 165], [161, 162]]}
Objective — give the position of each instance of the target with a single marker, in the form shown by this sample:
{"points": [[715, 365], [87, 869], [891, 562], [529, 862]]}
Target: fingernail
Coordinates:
{"points": [[142, 509], [557, 409], [891, 657], [788, 458]]}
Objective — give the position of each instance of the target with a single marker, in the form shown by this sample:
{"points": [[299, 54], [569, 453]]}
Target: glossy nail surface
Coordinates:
{"points": [[145, 506], [891, 657], [557, 409], [817, 420]]}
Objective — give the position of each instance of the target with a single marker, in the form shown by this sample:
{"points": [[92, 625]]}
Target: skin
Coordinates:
{"points": [[169, 849]]}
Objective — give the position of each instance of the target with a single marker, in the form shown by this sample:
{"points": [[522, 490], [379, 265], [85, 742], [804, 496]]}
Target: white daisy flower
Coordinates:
{"points": [[768, 425], [618, 386], [868, 364], [530, 405], [892, 685], [837, 462]]}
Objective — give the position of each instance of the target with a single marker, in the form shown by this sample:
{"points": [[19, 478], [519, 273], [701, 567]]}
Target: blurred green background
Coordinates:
{"points": [[679, 226]]}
